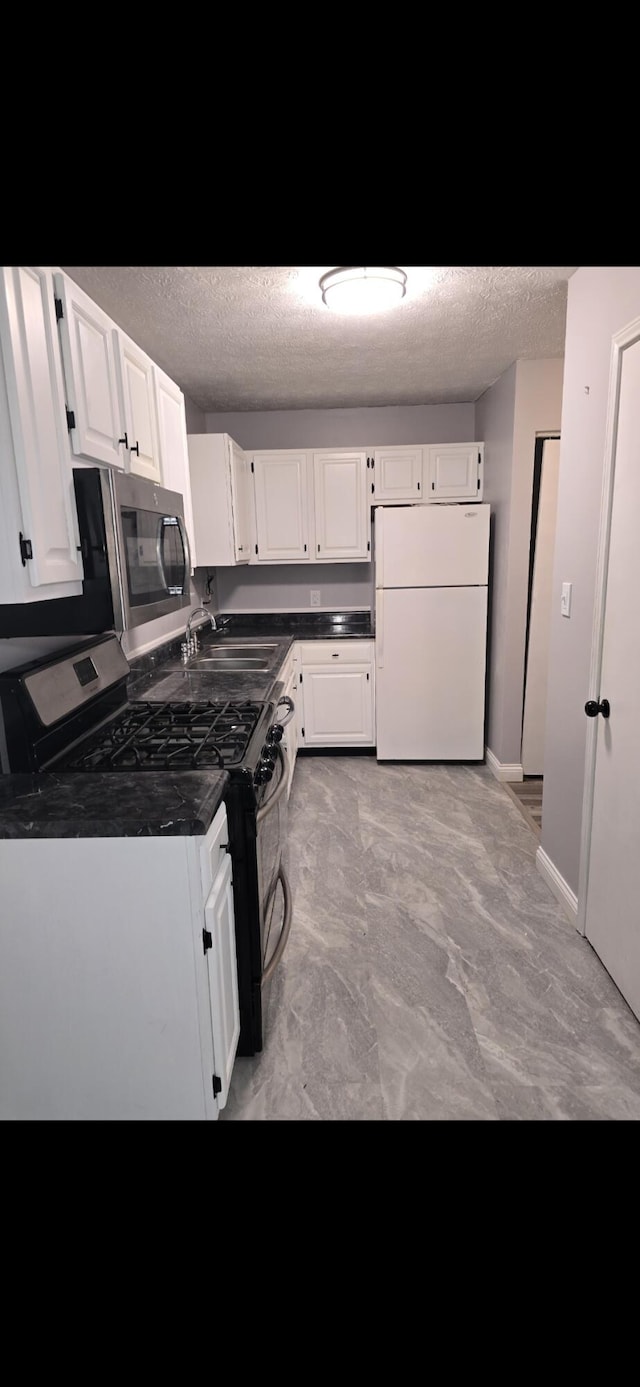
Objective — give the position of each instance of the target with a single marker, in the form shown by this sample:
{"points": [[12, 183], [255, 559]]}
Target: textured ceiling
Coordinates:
{"points": [[260, 337]]}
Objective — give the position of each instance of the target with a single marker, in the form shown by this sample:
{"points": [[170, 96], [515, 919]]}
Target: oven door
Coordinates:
{"points": [[273, 885]]}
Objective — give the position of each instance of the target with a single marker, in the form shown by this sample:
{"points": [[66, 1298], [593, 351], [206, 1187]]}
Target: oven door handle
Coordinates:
{"points": [[278, 792], [286, 926], [290, 705]]}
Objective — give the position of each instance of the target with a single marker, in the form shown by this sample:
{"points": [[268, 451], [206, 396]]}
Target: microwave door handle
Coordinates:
{"points": [[286, 926], [185, 545], [278, 792], [187, 551], [159, 551]]}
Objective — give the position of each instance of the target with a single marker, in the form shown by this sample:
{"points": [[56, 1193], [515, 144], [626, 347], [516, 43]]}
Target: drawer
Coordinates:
{"points": [[336, 652], [213, 850]]}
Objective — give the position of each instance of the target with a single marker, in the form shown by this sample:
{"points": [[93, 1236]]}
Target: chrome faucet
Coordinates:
{"points": [[189, 645]]}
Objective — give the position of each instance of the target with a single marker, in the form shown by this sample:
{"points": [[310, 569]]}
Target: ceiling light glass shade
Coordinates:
{"points": [[362, 289]]}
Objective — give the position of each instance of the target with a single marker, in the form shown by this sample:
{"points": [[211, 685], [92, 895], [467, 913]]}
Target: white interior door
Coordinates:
{"points": [[535, 698], [612, 888]]}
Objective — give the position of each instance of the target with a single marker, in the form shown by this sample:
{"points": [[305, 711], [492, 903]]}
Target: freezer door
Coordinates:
{"points": [[432, 546], [430, 674]]}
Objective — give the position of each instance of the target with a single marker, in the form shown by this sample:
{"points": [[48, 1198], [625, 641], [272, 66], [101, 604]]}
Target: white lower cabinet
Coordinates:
{"points": [[336, 684], [118, 980]]}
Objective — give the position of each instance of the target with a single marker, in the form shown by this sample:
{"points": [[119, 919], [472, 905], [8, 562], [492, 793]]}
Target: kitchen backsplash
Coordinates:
{"points": [[289, 587]]}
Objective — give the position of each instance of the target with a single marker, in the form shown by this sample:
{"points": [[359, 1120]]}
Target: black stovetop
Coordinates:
{"points": [[168, 736]]}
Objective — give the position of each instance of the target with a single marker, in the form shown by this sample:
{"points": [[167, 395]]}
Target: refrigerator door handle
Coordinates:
{"points": [[379, 630]]}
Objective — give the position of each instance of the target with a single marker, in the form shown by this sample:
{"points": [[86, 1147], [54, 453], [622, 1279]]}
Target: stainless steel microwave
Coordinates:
{"points": [[140, 530], [135, 556]]}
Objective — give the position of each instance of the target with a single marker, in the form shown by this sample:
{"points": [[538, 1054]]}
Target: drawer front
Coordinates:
{"points": [[336, 652], [213, 849]]}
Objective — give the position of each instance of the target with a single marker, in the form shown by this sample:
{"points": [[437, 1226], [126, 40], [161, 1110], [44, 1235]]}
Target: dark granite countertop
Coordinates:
{"points": [[72, 804], [106, 804]]}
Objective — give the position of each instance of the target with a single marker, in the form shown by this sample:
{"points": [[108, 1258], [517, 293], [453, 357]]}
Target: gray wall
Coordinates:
{"points": [[286, 587], [196, 418], [346, 428], [495, 412], [601, 301], [525, 402]]}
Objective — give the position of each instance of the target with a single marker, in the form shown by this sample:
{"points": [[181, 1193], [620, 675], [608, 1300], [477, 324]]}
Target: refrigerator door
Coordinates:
{"points": [[430, 673], [432, 546]]}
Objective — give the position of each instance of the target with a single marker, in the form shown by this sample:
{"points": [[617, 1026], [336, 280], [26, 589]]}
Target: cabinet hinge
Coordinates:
{"points": [[418, 486], [71, 419], [301, 678], [26, 550], [372, 488], [368, 544], [302, 730], [217, 1085], [59, 308], [207, 939], [367, 678], [252, 467], [433, 486], [478, 483], [368, 462], [256, 548], [479, 458]]}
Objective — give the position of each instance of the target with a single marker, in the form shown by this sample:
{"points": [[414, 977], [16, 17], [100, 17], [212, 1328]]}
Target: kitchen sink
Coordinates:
{"points": [[228, 662], [236, 652]]}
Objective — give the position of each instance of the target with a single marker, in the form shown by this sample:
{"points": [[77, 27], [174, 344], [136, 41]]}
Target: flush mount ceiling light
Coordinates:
{"points": [[363, 289]]}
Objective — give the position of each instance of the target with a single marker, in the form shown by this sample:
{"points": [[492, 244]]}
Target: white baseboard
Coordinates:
{"points": [[502, 769], [561, 890]]}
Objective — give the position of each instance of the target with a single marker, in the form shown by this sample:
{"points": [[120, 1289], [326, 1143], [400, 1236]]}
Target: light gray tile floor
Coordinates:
{"points": [[430, 973]]}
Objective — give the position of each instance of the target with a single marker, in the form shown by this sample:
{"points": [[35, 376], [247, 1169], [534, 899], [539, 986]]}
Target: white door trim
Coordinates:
{"points": [[620, 340]]}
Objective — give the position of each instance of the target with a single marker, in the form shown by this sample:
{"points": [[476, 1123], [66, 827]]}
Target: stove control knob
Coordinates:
{"points": [[275, 734], [263, 773], [267, 757]]}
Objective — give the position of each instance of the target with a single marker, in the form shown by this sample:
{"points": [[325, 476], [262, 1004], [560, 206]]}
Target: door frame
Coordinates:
{"points": [[626, 337]]}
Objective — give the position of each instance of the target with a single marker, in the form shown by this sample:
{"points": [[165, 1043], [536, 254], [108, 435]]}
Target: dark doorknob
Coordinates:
{"points": [[592, 708]]}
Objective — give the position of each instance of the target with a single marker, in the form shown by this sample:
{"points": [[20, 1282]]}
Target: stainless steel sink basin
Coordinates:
{"points": [[227, 662], [236, 652]]}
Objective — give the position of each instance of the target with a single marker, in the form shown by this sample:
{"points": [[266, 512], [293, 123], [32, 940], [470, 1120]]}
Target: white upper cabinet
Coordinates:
{"points": [[240, 498], [453, 471], [38, 531], [282, 508], [172, 442], [96, 423], [220, 480], [397, 474], [135, 370], [342, 511]]}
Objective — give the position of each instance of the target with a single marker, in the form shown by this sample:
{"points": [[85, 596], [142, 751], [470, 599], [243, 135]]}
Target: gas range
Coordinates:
{"points": [[173, 736]]}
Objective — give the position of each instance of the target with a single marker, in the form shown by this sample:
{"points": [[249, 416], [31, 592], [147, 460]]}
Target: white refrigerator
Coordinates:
{"points": [[431, 569]]}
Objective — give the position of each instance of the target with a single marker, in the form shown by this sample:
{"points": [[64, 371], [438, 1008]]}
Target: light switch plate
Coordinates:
{"points": [[314, 597], [565, 600]]}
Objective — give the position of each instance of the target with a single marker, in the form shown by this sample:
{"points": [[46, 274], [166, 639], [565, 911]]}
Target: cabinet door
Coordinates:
{"points": [[282, 511], [223, 977], [398, 474], [38, 428], [338, 706], [454, 471], [239, 466], [136, 382], [342, 506], [172, 442], [88, 358]]}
